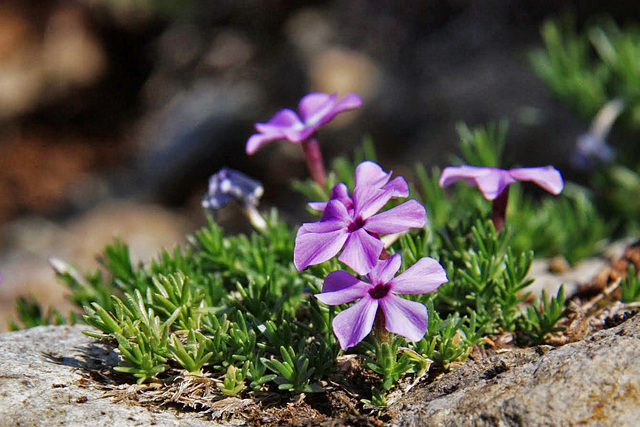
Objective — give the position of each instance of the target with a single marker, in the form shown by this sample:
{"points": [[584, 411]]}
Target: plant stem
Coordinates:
{"points": [[313, 157], [500, 209], [381, 331], [257, 220]]}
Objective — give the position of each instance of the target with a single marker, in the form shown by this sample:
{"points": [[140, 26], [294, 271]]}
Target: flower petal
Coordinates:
{"points": [[257, 140], [317, 109], [341, 287], [490, 181], [398, 187], [451, 174], [404, 317], [370, 173], [385, 269], [316, 105], [323, 226], [410, 214], [546, 177], [283, 119], [361, 251], [493, 184], [353, 324], [317, 206], [296, 135], [339, 280], [336, 210], [422, 277], [350, 101], [314, 248], [339, 192], [367, 200]]}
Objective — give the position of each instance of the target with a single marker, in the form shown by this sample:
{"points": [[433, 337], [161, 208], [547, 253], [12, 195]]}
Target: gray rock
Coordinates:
{"points": [[595, 381], [43, 381]]}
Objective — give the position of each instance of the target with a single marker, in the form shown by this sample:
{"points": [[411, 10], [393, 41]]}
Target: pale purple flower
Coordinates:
{"points": [[371, 174], [592, 148], [401, 316], [492, 181], [228, 185], [316, 109], [591, 151], [356, 227]]}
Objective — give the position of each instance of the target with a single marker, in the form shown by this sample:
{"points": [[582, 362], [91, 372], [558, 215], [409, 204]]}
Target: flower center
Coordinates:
{"points": [[379, 291], [356, 225]]}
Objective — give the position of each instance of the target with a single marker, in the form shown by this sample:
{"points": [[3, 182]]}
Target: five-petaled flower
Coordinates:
{"points": [[493, 183], [316, 109], [401, 316], [352, 223]]}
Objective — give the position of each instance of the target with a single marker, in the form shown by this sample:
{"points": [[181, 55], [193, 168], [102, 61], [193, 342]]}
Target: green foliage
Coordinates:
{"points": [[385, 359], [586, 70], [483, 146], [294, 373], [235, 308], [446, 340], [220, 303], [569, 225], [630, 285], [378, 398], [618, 191], [566, 66], [30, 314], [233, 382], [485, 277], [541, 318]]}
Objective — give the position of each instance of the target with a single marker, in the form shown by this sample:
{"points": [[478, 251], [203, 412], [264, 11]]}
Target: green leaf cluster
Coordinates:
{"points": [[227, 306]]}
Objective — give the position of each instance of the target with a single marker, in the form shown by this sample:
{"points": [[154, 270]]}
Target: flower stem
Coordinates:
{"points": [[257, 220], [381, 331], [313, 157], [500, 209]]}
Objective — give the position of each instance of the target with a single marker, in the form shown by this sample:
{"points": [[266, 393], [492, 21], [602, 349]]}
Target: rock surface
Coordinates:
{"points": [[595, 381], [43, 380], [44, 376]]}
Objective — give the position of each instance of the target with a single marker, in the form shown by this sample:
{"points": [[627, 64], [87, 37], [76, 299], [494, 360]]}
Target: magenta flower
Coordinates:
{"points": [[316, 109], [492, 182], [352, 223], [401, 316]]}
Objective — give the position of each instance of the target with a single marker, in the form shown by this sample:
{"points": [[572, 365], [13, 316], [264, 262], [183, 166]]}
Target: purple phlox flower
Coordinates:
{"points": [[492, 181], [592, 148], [356, 228], [228, 185], [401, 316], [371, 174], [591, 151], [316, 109]]}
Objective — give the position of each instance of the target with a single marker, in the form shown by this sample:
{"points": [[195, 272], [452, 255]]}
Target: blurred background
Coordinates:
{"points": [[114, 113]]}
